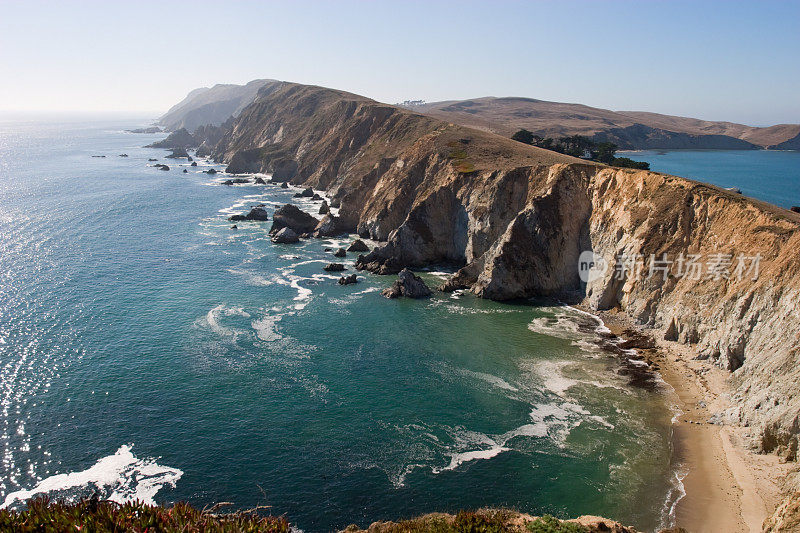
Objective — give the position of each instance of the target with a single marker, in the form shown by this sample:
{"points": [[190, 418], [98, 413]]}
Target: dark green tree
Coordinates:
{"points": [[605, 152], [523, 136]]}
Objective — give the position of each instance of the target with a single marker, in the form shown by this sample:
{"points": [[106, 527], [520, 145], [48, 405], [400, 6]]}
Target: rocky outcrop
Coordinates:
{"points": [[333, 267], [348, 280], [161, 166], [290, 216], [340, 252], [786, 517], [285, 236], [514, 221], [329, 226], [175, 140], [409, 285], [256, 213], [358, 246], [150, 129], [324, 209], [177, 153]]}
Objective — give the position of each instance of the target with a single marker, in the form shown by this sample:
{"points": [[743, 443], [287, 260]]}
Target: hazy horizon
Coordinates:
{"points": [[708, 60]]}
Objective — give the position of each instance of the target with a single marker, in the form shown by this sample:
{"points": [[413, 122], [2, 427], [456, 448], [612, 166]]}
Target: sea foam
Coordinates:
{"points": [[121, 477]]}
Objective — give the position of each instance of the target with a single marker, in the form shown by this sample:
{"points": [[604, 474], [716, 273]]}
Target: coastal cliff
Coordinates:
{"points": [[514, 219]]}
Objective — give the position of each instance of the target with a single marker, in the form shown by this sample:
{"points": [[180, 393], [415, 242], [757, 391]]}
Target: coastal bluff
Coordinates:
{"points": [[513, 220]]}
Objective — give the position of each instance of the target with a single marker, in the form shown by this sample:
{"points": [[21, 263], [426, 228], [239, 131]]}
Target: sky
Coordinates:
{"points": [[724, 60]]}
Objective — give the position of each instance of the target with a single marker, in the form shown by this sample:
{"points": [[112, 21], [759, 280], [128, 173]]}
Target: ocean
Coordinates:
{"points": [[149, 351], [769, 175]]}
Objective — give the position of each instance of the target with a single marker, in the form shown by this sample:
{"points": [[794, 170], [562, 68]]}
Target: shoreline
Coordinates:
{"points": [[727, 487]]}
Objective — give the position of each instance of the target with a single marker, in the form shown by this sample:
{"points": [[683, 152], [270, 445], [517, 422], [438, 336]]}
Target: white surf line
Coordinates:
{"points": [[127, 477]]}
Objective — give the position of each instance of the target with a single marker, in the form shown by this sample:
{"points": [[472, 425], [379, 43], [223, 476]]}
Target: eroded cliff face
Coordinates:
{"points": [[514, 220]]}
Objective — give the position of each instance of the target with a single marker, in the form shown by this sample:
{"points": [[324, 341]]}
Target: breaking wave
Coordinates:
{"points": [[121, 477]]}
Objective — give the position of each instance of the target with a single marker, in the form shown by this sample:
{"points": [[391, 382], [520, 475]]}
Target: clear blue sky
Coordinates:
{"points": [[717, 60]]}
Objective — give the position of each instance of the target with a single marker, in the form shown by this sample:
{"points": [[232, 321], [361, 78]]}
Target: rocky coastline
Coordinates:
{"points": [[514, 220]]}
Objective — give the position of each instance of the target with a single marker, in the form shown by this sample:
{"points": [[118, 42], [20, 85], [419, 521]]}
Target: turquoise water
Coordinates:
{"points": [[148, 351], [772, 176]]}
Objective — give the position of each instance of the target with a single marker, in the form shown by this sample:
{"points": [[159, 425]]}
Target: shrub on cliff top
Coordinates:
{"points": [[42, 515], [549, 524]]}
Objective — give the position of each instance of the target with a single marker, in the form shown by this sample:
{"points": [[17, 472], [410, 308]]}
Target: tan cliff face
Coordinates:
{"points": [[514, 219]]}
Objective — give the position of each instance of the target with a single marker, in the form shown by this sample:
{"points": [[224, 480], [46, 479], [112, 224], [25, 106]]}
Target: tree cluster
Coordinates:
{"points": [[580, 146]]}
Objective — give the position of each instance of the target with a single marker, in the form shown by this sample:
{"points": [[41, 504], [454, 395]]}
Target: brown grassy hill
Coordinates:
{"points": [[629, 129]]}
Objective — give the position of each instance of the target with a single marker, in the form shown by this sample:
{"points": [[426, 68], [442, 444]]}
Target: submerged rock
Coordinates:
{"points": [[256, 213], [341, 252], [123, 155], [290, 216], [285, 236], [334, 267], [348, 280], [210, 171], [151, 159], [409, 285], [358, 246]]}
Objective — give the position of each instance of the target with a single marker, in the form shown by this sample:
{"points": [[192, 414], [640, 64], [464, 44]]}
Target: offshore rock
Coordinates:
{"points": [[408, 285], [285, 236], [348, 280], [358, 246], [290, 216], [256, 213], [177, 153], [334, 267], [328, 227], [324, 209]]}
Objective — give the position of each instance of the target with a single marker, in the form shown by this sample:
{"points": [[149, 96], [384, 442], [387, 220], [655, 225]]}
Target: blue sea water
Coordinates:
{"points": [[149, 351], [769, 175]]}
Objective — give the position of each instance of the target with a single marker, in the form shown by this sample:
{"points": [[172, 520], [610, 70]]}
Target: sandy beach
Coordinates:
{"points": [[728, 487]]}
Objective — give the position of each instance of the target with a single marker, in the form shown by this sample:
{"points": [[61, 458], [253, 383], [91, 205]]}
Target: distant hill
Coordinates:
{"points": [[628, 129], [211, 105]]}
